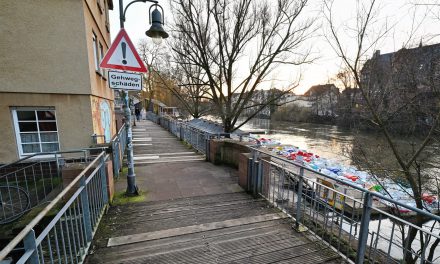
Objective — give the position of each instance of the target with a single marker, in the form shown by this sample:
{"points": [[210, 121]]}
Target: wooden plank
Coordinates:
{"points": [[244, 234], [115, 241]]}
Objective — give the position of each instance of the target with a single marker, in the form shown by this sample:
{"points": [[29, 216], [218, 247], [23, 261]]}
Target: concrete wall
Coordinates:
{"points": [[47, 59], [73, 113], [237, 154], [103, 124], [42, 47], [226, 152], [95, 22]]}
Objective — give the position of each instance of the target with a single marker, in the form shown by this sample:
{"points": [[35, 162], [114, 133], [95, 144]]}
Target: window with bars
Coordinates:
{"points": [[36, 130]]}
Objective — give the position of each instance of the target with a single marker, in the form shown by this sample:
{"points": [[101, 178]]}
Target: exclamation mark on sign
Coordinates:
{"points": [[123, 46]]}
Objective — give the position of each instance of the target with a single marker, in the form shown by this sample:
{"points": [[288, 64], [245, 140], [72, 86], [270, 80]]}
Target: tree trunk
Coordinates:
{"points": [[227, 125]]}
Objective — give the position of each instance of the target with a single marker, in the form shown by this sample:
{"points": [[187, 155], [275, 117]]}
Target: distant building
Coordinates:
{"points": [[263, 101], [53, 94], [323, 99], [291, 99], [409, 77]]}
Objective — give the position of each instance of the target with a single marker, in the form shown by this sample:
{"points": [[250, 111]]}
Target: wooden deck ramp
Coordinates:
{"points": [[195, 213]]}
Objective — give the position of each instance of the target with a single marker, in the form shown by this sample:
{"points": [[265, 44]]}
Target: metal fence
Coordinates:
{"points": [[152, 117], [67, 237], [363, 226], [34, 180], [195, 137], [119, 144]]}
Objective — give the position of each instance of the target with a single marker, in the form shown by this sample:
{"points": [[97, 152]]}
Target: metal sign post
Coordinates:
{"points": [[123, 56]]}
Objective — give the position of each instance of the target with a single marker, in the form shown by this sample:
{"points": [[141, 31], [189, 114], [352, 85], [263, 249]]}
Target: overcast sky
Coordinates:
{"points": [[397, 14]]}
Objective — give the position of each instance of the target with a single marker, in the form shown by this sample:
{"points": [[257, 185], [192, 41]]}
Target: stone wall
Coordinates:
{"points": [[237, 154], [226, 151]]}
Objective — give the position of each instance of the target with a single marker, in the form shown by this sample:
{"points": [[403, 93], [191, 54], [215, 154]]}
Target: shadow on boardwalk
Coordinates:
{"points": [[195, 213]]}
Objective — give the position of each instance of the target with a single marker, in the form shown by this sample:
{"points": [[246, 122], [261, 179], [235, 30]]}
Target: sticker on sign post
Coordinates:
{"points": [[124, 80]]}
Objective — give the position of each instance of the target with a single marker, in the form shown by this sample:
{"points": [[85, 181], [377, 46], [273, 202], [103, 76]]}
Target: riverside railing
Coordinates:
{"points": [[363, 226], [33, 180], [118, 143], [67, 236], [195, 137]]}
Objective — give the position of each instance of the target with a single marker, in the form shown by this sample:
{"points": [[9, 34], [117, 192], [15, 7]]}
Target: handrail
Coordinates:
{"points": [[119, 133], [378, 195], [17, 239], [51, 153]]}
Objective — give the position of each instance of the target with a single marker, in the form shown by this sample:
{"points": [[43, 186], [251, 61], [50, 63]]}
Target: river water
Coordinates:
{"points": [[330, 142], [327, 141]]}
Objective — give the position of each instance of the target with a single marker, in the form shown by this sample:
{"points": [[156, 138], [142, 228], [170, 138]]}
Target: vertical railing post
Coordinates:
{"points": [[58, 166], [249, 173], [118, 157], [86, 157], [85, 207], [114, 159], [103, 174], [363, 233], [197, 140], [298, 225], [207, 150], [259, 177], [30, 244], [254, 172]]}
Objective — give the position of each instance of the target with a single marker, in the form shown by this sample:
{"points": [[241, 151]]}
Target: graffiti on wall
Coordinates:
{"points": [[102, 119]]}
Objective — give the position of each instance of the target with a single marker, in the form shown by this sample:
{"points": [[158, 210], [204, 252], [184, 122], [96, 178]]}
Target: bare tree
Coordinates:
{"points": [[407, 159], [237, 44], [154, 58], [345, 78], [192, 90]]}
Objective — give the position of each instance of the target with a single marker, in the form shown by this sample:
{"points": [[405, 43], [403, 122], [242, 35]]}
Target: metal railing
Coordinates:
{"points": [[119, 144], [363, 226], [33, 180], [67, 237], [195, 137], [152, 117]]}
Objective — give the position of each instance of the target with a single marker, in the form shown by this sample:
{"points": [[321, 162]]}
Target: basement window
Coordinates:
{"points": [[36, 130]]}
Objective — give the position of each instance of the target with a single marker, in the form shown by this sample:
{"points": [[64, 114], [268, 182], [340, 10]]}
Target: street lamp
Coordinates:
{"points": [[157, 33]]}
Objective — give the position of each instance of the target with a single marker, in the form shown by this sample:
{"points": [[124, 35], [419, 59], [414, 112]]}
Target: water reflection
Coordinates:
{"points": [[325, 140], [336, 143]]}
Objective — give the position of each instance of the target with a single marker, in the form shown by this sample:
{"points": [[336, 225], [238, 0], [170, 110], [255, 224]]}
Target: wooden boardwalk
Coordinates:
{"points": [[220, 226]]}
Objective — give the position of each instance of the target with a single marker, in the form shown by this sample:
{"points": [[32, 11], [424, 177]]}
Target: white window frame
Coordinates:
{"points": [[18, 132], [96, 52], [98, 2], [101, 56], [107, 20]]}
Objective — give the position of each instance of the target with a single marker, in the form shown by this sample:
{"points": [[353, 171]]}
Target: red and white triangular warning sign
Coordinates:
{"points": [[122, 55]]}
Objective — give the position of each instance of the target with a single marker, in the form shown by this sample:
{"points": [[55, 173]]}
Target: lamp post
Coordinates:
{"points": [[157, 33]]}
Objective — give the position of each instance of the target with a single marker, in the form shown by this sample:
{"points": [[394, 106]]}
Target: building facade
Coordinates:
{"points": [[403, 87], [53, 94], [323, 99], [292, 100]]}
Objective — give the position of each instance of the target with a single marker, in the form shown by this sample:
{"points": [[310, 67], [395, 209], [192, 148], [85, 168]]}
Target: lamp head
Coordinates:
{"points": [[156, 31]]}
